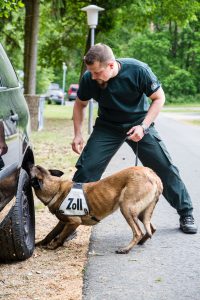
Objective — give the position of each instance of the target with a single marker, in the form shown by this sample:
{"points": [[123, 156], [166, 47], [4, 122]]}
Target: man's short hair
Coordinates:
{"points": [[99, 52]]}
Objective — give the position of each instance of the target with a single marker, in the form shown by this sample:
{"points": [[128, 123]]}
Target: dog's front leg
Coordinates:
{"points": [[52, 234], [64, 234]]}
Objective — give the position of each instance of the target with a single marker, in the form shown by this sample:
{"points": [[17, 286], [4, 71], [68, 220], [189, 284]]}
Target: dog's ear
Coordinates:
{"points": [[56, 173]]}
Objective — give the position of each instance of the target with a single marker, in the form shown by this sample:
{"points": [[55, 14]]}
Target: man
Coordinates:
{"points": [[121, 88]]}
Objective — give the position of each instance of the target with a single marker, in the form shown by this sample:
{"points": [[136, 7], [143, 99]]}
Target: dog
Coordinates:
{"points": [[134, 190]]}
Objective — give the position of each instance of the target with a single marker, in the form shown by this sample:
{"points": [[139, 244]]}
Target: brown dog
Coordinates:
{"points": [[135, 190]]}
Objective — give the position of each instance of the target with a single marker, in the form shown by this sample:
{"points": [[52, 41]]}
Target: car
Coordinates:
{"points": [[72, 91], [55, 94], [17, 217]]}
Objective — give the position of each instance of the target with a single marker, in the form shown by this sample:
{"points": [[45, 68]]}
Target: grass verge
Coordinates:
{"points": [[52, 145], [183, 108]]}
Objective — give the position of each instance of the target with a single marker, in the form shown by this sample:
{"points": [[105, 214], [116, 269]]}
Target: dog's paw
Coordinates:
{"points": [[51, 247], [143, 239], [122, 251], [54, 244], [40, 244]]}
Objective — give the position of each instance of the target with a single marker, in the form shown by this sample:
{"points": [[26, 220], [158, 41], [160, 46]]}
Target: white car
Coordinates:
{"points": [[55, 94]]}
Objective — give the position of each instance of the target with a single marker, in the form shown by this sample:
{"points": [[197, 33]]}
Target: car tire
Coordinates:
{"points": [[17, 231]]}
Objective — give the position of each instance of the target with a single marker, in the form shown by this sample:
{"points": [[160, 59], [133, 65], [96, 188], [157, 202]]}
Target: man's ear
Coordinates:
{"points": [[56, 173], [111, 64]]}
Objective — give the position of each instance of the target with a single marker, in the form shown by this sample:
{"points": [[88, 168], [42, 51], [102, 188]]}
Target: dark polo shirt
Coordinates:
{"points": [[124, 100]]}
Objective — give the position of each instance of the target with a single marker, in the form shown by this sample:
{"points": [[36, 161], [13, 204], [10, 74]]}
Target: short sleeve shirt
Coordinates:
{"points": [[124, 100]]}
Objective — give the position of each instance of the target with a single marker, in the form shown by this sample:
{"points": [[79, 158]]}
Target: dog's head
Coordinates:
{"points": [[46, 183]]}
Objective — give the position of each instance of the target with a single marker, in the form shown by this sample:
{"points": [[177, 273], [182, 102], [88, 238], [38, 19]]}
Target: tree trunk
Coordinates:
{"points": [[175, 40], [30, 45]]}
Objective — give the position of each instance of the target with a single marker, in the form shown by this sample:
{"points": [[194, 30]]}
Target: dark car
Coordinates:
{"points": [[17, 219], [72, 91]]}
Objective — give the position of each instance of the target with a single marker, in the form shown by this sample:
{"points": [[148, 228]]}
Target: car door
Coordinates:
{"points": [[9, 133]]}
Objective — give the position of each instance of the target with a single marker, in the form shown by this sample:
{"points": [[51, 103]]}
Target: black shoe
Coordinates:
{"points": [[187, 224]]}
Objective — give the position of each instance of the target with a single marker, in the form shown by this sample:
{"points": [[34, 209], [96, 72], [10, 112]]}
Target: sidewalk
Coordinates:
{"points": [[166, 267]]}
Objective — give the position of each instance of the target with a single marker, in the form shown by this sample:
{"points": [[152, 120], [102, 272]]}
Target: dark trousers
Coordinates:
{"points": [[106, 140]]}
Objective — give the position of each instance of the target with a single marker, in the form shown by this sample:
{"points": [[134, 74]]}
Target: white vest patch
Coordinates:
{"points": [[75, 203]]}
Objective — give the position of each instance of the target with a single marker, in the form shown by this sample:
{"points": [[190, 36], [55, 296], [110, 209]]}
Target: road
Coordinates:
{"points": [[167, 267]]}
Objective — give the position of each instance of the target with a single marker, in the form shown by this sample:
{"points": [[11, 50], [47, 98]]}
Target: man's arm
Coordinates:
{"points": [[158, 99], [78, 117]]}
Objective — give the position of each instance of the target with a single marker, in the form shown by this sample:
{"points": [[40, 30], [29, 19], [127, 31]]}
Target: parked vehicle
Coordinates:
{"points": [[17, 219], [55, 94], [72, 92]]}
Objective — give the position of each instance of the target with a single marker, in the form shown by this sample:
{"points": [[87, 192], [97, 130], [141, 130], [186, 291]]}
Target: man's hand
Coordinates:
{"points": [[78, 117], [136, 133], [77, 144]]}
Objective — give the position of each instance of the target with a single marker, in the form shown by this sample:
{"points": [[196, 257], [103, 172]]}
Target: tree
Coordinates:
{"points": [[163, 33], [30, 45]]}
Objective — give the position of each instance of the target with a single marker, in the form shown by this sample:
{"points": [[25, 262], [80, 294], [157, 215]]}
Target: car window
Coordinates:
{"points": [[54, 86], [9, 144], [8, 77], [74, 89]]}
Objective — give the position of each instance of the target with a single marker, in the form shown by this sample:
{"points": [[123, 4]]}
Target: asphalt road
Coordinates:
{"points": [[167, 267]]}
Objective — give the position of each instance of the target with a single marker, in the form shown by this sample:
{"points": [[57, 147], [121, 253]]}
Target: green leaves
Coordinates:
{"points": [[163, 33], [7, 6]]}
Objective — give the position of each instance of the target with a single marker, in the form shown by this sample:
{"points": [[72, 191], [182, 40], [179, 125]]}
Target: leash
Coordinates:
{"points": [[136, 152], [136, 155]]}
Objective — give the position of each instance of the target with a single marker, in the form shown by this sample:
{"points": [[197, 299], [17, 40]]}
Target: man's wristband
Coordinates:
{"points": [[145, 128]]}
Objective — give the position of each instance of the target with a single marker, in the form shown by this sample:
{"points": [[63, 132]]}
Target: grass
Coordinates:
{"points": [[184, 107], [187, 104], [52, 145], [193, 122], [58, 112]]}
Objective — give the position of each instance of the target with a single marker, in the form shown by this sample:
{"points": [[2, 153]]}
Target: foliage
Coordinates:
{"points": [[44, 77], [163, 33], [7, 6], [11, 36], [180, 82], [167, 40]]}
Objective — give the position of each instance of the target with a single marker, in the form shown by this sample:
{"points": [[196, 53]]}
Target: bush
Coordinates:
{"points": [[151, 49], [180, 82]]}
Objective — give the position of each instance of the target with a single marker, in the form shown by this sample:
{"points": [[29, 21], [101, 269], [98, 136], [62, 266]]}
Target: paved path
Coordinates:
{"points": [[166, 267]]}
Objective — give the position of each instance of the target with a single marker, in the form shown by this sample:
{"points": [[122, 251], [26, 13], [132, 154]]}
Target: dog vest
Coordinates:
{"points": [[75, 203]]}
